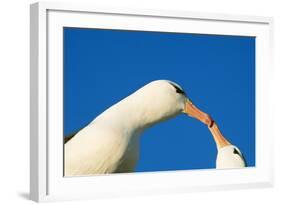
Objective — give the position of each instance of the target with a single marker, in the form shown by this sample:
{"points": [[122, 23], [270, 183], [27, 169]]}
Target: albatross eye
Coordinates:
{"points": [[235, 151], [178, 90]]}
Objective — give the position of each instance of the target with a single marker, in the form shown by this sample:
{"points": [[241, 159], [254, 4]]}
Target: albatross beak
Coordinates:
{"points": [[193, 111], [218, 137]]}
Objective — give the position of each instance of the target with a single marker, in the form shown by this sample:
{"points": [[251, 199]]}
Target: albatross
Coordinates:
{"points": [[110, 143], [228, 156]]}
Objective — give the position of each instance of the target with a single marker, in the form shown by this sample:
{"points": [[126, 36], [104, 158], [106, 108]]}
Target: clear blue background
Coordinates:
{"points": [[217, 72]]}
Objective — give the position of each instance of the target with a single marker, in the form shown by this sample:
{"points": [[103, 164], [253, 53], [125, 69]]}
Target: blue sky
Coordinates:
{"points": [[101, 67]]}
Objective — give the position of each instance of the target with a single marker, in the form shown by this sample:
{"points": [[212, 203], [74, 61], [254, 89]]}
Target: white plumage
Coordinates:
{"points": [[110, 143], [230, 157]]}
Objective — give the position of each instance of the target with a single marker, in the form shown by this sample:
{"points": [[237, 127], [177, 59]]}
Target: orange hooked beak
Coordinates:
{"points": [[194, 112]]}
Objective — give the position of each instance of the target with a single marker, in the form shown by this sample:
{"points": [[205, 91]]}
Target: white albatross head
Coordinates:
{"points": [[161, 100], [228, 156]]}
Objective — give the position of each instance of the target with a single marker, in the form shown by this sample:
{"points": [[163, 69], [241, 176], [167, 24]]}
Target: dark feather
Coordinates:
{"points": [[235, 151], [178, 90], [69, 137]]}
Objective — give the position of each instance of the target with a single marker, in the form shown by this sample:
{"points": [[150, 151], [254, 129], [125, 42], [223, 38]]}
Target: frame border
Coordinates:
{"points": [[39, 74]]}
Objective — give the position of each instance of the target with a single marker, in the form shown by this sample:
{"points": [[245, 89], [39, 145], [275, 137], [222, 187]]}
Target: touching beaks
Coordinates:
{"points": [[196, 113]]}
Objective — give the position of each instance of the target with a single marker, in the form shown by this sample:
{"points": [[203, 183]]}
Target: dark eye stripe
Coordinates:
{"points": [[178, 90], [235, 151]]}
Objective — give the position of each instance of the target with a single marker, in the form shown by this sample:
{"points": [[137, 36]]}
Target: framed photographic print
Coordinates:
{"points": [[129, 101]]}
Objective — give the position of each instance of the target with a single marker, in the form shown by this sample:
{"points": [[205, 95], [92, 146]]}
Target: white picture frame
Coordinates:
{"points": [[46, 177]]}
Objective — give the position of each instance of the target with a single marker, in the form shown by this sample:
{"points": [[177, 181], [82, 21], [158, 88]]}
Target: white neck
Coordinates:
{"points": [[139, 111]]}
